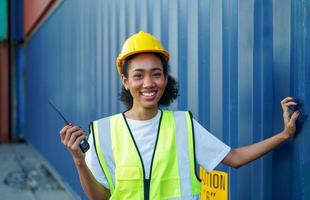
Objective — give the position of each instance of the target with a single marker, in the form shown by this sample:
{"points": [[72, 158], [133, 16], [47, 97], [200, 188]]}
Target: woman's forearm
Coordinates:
{"points": [[243, 155], [90, 185]]}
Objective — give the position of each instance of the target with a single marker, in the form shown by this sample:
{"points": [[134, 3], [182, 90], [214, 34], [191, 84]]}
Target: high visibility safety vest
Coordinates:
{"points": [[173, 173]]}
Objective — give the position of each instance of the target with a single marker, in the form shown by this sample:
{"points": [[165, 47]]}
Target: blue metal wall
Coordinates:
{"points": [[16, 70], [234, 60], [300, 86]]}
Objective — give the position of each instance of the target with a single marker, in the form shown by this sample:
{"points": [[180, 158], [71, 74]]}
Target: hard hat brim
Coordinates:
{"points": [[122, 58]]}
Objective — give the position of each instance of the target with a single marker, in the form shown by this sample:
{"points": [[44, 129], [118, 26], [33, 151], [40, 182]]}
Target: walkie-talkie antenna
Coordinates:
{"points": [[84, 146], [66, 121]]}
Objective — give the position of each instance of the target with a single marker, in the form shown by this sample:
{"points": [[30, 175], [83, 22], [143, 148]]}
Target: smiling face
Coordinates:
{"points": [[145, 80]]}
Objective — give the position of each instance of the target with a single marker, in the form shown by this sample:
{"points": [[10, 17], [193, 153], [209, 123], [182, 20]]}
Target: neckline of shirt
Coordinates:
{"points": [[156, 117]]}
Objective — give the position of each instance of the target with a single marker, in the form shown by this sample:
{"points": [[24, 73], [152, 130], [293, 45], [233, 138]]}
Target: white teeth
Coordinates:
{"points": [[148, 94]]}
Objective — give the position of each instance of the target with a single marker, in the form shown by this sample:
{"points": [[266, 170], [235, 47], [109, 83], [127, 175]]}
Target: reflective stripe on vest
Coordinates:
{"points": [[102, 144], [173, 174]]}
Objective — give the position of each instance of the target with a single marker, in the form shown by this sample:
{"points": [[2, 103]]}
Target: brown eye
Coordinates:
{"points": [[157, 74], [137, 76]]}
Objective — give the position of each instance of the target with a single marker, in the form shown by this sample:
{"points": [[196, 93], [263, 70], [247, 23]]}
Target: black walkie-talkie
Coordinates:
{"points": [[83, 144]]}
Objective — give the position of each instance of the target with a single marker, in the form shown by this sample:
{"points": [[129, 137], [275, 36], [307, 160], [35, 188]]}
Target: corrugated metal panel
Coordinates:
{"points": [[16, 71], [234, 60], [32, 11], [4, 93], [16, 21], [3, 20], [35, 13], [300, 86], [18, 95]]}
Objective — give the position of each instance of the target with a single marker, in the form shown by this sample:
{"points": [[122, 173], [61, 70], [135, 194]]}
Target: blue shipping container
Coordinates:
{"points": [[234, 60]]}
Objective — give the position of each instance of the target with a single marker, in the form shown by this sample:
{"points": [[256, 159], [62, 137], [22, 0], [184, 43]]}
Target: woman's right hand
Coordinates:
{"points": [[71, 137]]}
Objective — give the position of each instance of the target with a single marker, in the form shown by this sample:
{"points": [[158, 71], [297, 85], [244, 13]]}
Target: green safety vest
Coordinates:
{"points": [[173, 169]]}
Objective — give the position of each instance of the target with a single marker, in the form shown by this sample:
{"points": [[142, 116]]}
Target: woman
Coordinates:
{"points": [[149, 153]]}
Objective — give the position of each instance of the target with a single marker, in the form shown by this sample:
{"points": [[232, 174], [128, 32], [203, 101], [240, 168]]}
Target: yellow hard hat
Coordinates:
{"points": [[139, 43]]}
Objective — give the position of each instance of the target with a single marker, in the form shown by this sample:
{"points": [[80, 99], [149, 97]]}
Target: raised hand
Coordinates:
{"points": [[289, 117], [71, 136]]}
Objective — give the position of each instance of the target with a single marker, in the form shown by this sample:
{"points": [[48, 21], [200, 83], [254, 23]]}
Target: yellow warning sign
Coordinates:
{"points": [[214, 185]]}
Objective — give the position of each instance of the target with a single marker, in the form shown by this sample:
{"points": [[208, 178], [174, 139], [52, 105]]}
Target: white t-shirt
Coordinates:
{"points": [[210, 151]]}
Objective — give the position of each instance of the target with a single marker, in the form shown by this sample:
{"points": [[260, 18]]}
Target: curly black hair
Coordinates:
{"points": [[171, 91]]}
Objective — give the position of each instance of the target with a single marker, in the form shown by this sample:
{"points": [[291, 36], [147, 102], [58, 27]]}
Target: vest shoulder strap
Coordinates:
{"points": [[96, 136], [195, 179]]}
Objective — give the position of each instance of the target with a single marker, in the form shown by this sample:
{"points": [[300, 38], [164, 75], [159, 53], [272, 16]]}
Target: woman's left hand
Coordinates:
{"points": [[289, 118], [240, 156]]}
